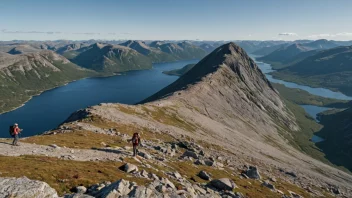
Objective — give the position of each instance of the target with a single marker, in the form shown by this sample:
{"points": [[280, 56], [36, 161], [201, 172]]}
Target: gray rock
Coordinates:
{"points": [[78, 195], [204, 175], [54, 146], [144, 155], [209, 162], [141, 192], [253, 173], [223, 184], [268, 185], [116, 189], [24, 187], [190, 154], [292, 174], [81, 189], [129, 168], [177, 175], [144, 173]]}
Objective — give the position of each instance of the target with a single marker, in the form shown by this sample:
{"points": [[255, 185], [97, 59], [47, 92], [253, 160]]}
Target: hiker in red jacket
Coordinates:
{"points": [[15, 132], [136, 139]]}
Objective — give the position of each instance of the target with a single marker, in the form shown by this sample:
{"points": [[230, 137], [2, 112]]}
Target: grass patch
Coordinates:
{"points": [[63, 175], [302, 97]]}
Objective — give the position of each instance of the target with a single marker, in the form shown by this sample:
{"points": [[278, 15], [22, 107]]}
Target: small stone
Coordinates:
{"points": [[190, 154], [129, 168], [81, 189], [204, 175], [54, 146], [253, 173], [292, 174], [268, 185]]}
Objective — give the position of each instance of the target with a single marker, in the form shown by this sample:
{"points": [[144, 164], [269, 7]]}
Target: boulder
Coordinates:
{"points": [[116, 189], [141, 192], [80, 189], [129, 168], [253, 172], [144, 155], [24, 187], [223, 184], [190, 154], [204, 175]]}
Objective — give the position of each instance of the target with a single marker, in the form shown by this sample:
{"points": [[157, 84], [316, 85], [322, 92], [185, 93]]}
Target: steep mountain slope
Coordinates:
{"points": [[180, 72], [25, 75], [23, 49], [183, 50], [284, 54], [154, 54], [321, 44], [330, 68], [268, 49], [111, 58], [226, 103], [337, 135], [289, 55]]}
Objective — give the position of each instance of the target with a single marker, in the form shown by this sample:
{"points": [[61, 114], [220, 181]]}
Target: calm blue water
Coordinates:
{"points": [[314, 110], [51, 108], [266, 69]]}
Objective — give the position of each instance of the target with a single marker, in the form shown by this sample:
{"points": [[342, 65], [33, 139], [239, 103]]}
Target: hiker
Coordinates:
{"points": [[15, 131], [136, 139]]}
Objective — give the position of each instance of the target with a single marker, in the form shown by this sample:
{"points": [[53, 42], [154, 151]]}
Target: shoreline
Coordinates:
{"points": [[99, 75]]}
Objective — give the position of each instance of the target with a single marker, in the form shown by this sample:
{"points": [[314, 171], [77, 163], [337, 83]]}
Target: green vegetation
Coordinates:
{"points": [[180, 72], [63, 175], [330, 69], [309, 127], [111, 59], [337, 132], [21, 86], [302, 97]]}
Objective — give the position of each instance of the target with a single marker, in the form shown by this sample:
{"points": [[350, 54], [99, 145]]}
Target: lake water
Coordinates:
{"points": [[51, 108], [314, 110], [310, 109]]}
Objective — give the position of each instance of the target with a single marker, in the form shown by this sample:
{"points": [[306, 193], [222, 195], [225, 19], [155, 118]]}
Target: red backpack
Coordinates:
{"points": [[135, 138]]}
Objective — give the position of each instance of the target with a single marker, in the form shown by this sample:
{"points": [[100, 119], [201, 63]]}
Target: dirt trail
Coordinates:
{"points": [[106, 154]]}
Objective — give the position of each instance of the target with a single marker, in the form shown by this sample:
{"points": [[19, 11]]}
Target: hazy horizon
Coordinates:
{"points": [[227, 20]]}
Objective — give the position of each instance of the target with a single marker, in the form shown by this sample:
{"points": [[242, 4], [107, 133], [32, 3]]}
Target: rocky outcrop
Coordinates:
{"points": [[25, 188], [223, 184]]}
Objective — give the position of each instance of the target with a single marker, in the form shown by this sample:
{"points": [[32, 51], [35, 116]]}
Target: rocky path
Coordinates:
{"points": [[106, 154]]}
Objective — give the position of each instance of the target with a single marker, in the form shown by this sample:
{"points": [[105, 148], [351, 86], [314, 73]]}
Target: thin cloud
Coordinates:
{"points": [[341, 34], [27, 32], [288, 34], [87, 33]]}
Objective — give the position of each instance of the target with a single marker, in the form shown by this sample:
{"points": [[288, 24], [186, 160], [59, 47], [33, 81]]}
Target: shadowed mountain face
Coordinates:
{"points": [[329, 68], [222, 73], [111, 58], [337, 134], [153, 53]]}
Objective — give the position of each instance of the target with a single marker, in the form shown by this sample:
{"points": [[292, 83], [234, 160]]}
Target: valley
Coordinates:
{"points": [[168, 111]]}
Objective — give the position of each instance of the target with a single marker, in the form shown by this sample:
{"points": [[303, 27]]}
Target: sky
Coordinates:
{"points": [[175, 19]]}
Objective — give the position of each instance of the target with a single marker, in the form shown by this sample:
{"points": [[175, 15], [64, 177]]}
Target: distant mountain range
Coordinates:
{"points": [[330, 68]]}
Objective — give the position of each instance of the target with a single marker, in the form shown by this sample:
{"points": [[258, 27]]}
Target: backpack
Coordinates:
{"points": [[11, 131], [135, 138]]}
